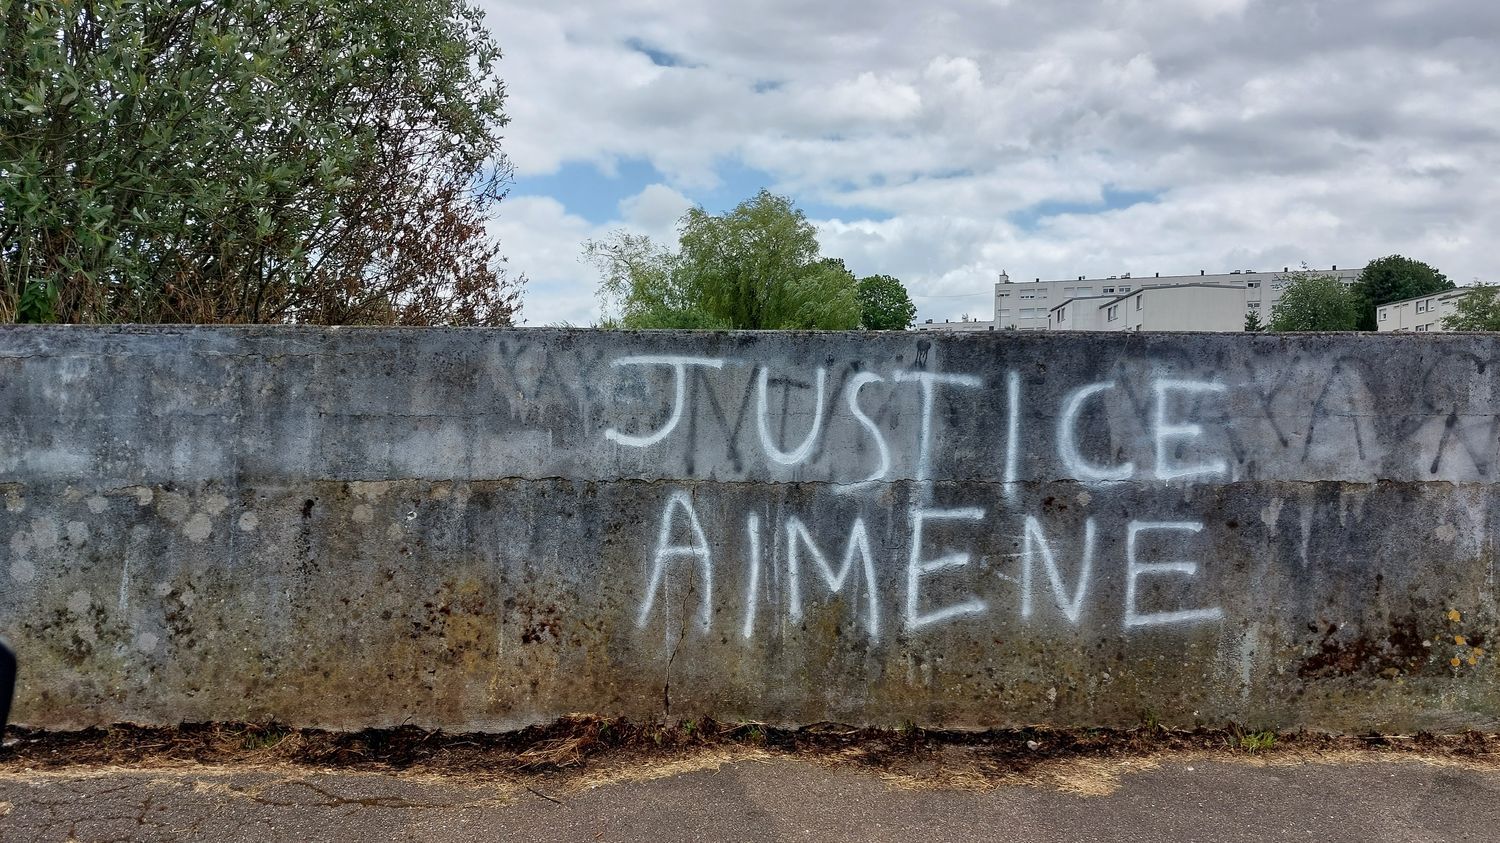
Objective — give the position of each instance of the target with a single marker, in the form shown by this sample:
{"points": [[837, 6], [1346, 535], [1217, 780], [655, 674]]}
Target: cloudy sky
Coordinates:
{"points": [[943, 142]]}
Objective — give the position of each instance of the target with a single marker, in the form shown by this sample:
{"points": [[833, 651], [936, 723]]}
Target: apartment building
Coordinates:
{"points": [[1084, 313], [1420, 314], [1026, 305], [1029, 305], [1181, 307], [959, 325]]}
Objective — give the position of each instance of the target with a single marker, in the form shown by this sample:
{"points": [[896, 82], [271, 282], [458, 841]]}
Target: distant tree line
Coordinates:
{"points": [[758, 266], [1313, 301]]}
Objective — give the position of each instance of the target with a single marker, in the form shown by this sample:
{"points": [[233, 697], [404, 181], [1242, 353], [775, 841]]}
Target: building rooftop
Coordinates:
{"points": [[1143, 289], [1066, 302], [1285, 270], [1456, 291]]}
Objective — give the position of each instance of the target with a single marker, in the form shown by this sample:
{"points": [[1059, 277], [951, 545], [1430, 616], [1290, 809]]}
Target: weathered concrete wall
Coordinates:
{"points": [[482, 529]]}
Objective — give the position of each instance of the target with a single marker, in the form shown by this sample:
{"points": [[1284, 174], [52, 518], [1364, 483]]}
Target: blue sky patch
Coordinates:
{"points": [[586, 190], [659, 57]]}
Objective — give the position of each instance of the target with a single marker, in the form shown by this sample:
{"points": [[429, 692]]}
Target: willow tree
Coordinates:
{"points": [[754, 267], [250, 161]]}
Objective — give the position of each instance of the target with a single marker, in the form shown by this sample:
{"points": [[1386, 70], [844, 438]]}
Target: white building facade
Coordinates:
{"points": [[1182, 307], [1027, 305], [1031, 305], [1080, 314], [1421, 314]]}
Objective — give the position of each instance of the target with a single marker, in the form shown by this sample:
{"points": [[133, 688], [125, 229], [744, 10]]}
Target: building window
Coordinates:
{"points": [[1124, 289], [1421, 307], [1252, 284], [1108, 290], [1383, 314], [1028, 295], [1138, 302], [1060, 312], [1113, 311], [1421, 328], [1255, 305]]}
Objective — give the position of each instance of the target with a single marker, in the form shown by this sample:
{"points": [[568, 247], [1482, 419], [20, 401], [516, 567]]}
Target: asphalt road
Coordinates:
{"points": [[772, 799]]}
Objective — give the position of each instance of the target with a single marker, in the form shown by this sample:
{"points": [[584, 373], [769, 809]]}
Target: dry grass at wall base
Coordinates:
{"points": [[579, 752]]}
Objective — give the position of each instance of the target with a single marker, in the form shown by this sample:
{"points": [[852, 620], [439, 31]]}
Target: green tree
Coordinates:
{"points": [[250, 161], [1476, 310], [1313, 302], [643, 285], [754, 267], [884, 304], [1391, 279], [1253, 323]]}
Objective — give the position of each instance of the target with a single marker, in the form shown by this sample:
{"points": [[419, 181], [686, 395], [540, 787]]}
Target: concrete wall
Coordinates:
{"points": [[483, 529]]}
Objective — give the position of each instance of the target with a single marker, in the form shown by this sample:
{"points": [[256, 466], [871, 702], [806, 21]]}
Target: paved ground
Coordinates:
{"points": [[771, 799]]}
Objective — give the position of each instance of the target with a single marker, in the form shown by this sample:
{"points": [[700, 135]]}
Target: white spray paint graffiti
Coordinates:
{"points": [[1135, 570], [857, 383], [752, 594], [859, 543], [763, 423], [1067, 441], [929, 382], [917, 568], [679, 401], [930, 567], [666, 552], [1012, 433], [1166, 432], [1036, 543]]}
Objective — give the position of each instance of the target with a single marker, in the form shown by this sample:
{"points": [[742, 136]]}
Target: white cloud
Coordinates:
{"points": [[545, 242], [542, 241], [1268, 131], [655, 210]]}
